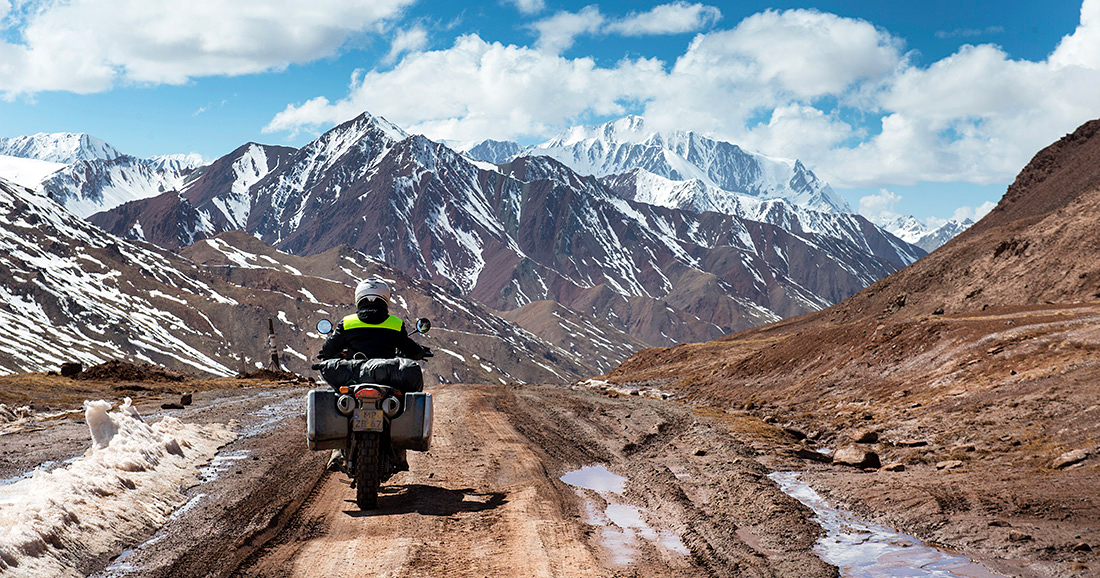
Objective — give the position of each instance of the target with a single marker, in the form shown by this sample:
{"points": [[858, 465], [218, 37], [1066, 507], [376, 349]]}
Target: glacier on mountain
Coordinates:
{"points": [[65, 148], [911, 230], [626, 144]]}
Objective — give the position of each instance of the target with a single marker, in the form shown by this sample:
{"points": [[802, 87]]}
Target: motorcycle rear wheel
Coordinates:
{"points": [[367, 477]]}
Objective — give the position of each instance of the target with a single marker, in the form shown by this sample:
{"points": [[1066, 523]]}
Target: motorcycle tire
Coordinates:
{"points": [[367, 477]]}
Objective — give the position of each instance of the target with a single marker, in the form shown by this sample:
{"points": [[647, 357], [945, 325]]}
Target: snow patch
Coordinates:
{"points": [[129, 481]]}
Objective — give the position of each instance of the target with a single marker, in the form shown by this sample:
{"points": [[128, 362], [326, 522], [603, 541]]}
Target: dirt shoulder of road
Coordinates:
{"points": [[985, 425]]}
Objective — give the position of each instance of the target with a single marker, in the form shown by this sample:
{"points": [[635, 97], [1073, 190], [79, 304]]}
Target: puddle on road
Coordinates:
{"points": [[867, 550], [597, 479], [621, 524]]}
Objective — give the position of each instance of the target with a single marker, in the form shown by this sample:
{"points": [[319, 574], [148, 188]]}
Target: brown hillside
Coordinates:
{"points": [[985, 353]]}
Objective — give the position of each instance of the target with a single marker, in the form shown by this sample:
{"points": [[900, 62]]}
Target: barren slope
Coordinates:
{"points": [[985, 353]]}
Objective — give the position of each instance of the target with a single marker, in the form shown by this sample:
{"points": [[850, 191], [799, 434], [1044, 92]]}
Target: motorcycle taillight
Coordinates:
{"points": [[369, 394]]}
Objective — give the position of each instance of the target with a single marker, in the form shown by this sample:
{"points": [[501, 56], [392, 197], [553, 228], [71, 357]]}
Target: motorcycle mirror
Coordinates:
{"points": [[423, 325], [324, 326]]}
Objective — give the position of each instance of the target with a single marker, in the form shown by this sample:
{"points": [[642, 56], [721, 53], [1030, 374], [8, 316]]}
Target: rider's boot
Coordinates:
{"points": [[335, 460]]}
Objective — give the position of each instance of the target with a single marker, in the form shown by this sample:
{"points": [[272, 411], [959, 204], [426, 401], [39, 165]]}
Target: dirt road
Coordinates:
{"points": [[654, 489], [488, 499]]}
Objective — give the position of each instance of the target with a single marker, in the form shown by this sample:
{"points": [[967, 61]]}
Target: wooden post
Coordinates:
{"points": [[274, 364]]}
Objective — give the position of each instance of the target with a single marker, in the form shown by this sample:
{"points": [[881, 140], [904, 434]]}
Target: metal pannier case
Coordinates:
{"points": [[326, 428], [412, 430]]}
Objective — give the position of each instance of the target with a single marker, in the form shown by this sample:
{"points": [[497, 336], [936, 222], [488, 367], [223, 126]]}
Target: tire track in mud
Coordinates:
{"points": [[685, 473], [488, 500], [477, 504]]}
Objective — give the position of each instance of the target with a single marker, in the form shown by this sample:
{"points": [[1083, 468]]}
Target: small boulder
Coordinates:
{"points": [[1018, 536], [795, 433], [186, 399], [1069, 458], [856, 457], [948, 465], [808, 454], [71, 368], [865, 436], [1082, 547], [894, 467]]}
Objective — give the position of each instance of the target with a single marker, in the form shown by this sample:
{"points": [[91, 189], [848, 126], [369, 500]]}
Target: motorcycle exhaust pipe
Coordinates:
{"points": [[390, 406], [345, 404]]}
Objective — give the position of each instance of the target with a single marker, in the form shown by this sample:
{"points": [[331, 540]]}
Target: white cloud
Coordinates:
{"points": [[1082, 48], [839, 93], [880, 208], [974, 214], [477, 89], [969, 32], [410, 40], [558, 32], [677, 18], [528, 6], [91, 45]]}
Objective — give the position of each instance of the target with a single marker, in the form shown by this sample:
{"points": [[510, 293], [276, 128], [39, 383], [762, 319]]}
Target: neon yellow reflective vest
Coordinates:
{"points": [[353, 322]]}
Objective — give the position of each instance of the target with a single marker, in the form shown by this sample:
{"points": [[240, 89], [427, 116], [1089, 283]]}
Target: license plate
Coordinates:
{"points": [[366, 420]]}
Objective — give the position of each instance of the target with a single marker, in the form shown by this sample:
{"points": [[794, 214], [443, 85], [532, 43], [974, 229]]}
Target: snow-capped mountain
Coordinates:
{"points": [[215, 201], [490, 151], [694, 195], [178, 162], [623, 145], [533, 230], [71, 292], [86, 174], [88, 187], [912, 231], [27, 172], [65, 148]]}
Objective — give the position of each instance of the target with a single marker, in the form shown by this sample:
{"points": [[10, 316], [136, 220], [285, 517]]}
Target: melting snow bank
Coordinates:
{"points": [[866, 550], [622, 524], [129, 481]]}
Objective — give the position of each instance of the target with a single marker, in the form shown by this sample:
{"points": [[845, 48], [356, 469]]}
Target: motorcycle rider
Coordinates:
{"points": [[371, 330], [372, 333]]}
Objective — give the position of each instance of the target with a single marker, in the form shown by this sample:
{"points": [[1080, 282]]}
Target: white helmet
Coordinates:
{"points": [[373, 288]]}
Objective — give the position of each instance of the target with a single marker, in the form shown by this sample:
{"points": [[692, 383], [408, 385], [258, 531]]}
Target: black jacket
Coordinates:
{"points": [[383, 340]]}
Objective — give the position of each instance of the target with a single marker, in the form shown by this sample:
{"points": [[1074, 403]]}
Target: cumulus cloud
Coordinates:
{"points": [[90, 46], [410, 40], [677, 18], [880, 208], [972, 213], [839, 93], [528, 6], [558, 32], [478, 88]]}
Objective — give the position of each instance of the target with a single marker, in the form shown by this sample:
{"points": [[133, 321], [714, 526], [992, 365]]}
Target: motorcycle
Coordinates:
{"points": [[372, 422]]}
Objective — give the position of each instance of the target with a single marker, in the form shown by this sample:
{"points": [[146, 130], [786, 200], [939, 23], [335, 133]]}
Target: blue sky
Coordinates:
{"points": [[927, 108]]}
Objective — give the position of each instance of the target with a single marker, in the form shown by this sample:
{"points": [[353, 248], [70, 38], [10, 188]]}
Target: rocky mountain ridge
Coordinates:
{"points": [[969, 376], [626, 145], [527, 231], [912, 231], [87, 175], [72, 292]]}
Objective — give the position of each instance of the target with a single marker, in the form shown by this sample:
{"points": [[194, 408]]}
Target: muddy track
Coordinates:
{"points": [[488, 499]]}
